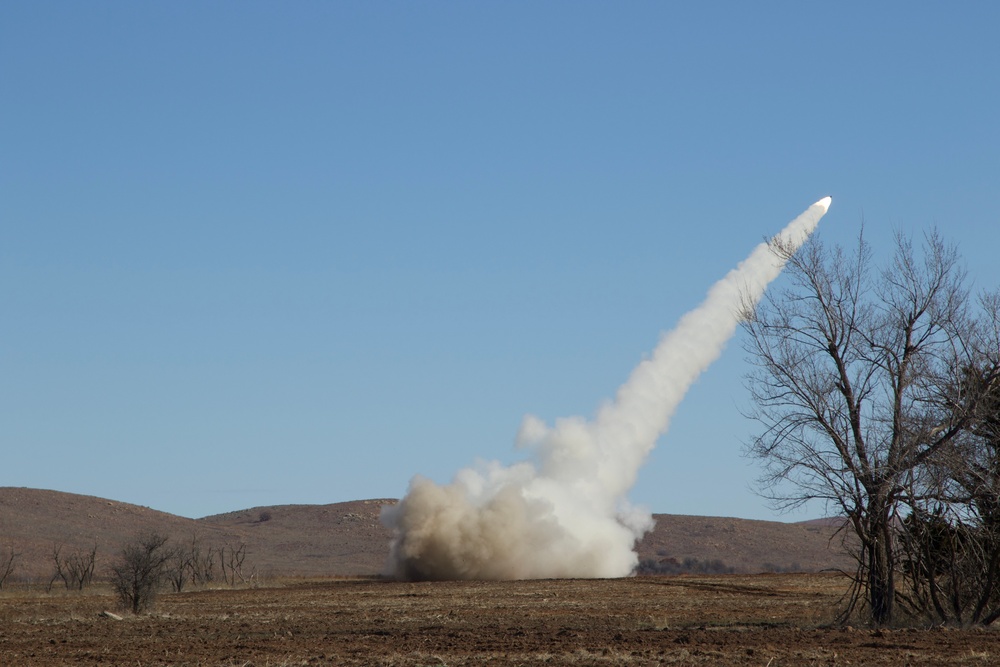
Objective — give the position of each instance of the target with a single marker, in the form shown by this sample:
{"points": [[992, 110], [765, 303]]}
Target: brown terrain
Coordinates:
{"points": [[317, 603], [759, 620], [347, 539]]}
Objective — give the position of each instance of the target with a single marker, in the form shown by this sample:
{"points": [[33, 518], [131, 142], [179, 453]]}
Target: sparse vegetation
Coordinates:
{"points": [[685, 566], [8, 561], [149, 563], [75, 568], [202, 563], [235, 570], [951, 538], [774, 568], [179, 567]]}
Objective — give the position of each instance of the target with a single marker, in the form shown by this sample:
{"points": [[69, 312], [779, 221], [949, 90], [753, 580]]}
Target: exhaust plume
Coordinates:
{"points": [[565, 514]]}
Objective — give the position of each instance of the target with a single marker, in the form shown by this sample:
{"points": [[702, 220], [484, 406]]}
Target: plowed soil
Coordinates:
{"points": [[766, 620]]}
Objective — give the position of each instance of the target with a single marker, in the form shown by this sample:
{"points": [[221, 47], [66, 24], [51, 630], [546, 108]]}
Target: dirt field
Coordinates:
{"points": [[766, 620]]}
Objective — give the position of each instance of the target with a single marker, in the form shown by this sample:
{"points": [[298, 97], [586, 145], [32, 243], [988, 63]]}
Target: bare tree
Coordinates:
{"points": [[202, 563], [8, 561], [75, 569], [854, 388], [189, 564], [179, 567], [139, 572], [234, 569]]}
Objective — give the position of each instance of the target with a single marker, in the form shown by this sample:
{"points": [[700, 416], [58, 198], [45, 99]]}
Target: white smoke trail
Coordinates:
{"points": [[566, 515]]}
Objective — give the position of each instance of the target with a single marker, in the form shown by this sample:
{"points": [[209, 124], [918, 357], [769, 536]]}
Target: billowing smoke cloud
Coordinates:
{"points": [[565, 514]]}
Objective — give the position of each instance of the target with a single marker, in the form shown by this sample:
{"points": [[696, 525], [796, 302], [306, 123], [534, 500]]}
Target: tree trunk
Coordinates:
{"points": [[881, 583]]}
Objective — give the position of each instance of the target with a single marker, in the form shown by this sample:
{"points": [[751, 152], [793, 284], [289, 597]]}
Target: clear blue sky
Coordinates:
{"points": [[265, 253]]}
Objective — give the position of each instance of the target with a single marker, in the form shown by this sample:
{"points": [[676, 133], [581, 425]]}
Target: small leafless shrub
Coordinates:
{"points": [[139, 572]]}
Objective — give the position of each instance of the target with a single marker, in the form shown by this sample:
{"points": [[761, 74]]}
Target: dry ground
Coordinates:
{"points": [[766, 620]]}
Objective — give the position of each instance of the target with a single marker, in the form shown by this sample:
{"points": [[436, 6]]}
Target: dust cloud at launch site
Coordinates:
{"points": [[565, 513]]}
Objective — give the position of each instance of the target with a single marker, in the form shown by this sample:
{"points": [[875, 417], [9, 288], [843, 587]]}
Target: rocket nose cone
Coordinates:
{"points": [[824, 202]]}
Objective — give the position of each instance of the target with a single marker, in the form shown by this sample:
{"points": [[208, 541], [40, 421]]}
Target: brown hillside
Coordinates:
{"points": [[745, 545], [347, 538], [36, 521], [338, 539]]}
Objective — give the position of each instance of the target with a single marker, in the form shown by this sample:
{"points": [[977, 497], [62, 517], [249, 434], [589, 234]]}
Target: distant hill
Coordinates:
{"points": [[347, 538], [748, 546]]}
